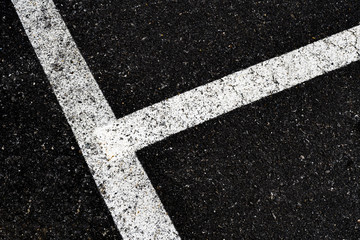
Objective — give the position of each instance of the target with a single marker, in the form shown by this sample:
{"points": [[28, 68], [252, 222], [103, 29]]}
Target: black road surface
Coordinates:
{"points": [[144, 52], [46, 188], [285, 167]]}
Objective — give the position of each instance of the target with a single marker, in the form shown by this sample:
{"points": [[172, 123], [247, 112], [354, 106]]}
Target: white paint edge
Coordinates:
{"points": [[132, 201], [156, 122]]}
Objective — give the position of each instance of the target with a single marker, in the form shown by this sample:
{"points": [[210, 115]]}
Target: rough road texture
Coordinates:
{"points": [[46, 188]]}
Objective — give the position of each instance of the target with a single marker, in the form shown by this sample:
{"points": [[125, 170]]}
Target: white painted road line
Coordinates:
{"points": [[127, 191], [196, 106], [135, 207], [121, 139]]}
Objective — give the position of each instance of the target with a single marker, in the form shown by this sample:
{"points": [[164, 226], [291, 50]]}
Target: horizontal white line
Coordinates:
{"points": [[132, 201], [191, 108]]}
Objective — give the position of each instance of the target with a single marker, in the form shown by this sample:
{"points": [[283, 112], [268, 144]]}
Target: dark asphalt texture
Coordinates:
{"points": [[143, 52], [46, 188], [286, 166]]}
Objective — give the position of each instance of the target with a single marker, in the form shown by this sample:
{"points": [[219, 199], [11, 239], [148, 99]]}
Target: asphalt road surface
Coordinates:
{"points": [[254, 133]]}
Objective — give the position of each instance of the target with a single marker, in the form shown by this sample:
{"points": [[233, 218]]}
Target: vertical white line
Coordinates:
{"points": [[85, 109]]}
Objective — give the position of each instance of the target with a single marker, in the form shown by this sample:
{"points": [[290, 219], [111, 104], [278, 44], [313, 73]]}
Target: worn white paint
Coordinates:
{"points": [[191, 108], [119, 175], [134, 205]]}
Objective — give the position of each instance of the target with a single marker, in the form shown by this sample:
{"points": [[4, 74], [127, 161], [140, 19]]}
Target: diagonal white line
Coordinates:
{"points": [[121, 139], [196, 106], [85, 109]]}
